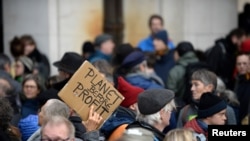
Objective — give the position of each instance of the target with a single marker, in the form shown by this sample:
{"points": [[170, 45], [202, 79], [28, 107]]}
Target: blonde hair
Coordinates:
{"points": [[180, 134]]}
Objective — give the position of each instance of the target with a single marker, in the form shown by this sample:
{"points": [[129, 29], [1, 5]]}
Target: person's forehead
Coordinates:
{"points": [[156, 20], [55, 130], [243, 58], [197, 81]]}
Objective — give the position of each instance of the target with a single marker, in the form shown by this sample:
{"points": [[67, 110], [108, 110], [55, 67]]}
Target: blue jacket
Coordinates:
{"points": [[143, 82], [29, 106], [164, 64], [28, 126], [121, 116], [140, 80], [99, 55], [147, 44]]}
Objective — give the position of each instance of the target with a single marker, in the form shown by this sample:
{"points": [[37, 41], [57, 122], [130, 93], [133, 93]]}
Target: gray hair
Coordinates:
{"points": [[55, 107], [231, 97], [60, 120], [104, 67], [136, 68], [155, 118], [221, 87], [206, 77]]}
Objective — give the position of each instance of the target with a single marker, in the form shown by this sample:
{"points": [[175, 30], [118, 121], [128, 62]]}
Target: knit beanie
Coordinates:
{"points": [[102, 38], [129, 92], [210, 104], [162, 35], [134, 58]]}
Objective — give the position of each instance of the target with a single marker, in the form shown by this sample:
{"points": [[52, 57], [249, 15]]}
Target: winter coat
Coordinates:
{"points": [[176, 75]]}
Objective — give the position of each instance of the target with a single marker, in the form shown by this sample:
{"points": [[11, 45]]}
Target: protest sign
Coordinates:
{"points": [[88, 87]]}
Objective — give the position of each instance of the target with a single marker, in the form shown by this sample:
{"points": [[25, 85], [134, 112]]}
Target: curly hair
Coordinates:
{"points": [[6, 113]]}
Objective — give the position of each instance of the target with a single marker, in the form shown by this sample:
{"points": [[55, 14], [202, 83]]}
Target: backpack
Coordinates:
{"points": [[189, 70]]}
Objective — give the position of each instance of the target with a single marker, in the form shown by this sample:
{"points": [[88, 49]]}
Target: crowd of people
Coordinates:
{"points": [[172, 92]]}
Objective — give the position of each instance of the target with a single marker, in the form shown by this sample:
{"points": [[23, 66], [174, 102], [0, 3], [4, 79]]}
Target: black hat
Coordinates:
{"points": [[88, 47], [70, 62], [210, 104], [134, 58], [102, 38], [184, 47], [153, 100], [162, 35]]}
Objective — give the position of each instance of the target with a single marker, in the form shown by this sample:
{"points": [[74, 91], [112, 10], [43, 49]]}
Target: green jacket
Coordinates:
{"points": [[175, 80]]}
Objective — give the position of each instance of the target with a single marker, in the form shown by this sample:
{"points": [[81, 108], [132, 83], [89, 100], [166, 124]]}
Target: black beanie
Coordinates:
{"points": [[210, 104], [184, 47]]}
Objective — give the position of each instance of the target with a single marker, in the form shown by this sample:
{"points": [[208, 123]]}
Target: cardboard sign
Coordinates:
{"points": [[88, 87]]}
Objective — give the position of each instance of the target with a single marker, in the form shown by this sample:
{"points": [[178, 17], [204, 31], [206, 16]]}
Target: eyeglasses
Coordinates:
{"points": [[56, 139], [29, 86]]}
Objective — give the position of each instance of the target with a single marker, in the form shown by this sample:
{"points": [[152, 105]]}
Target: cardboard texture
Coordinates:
{"points": [[88, 87]]}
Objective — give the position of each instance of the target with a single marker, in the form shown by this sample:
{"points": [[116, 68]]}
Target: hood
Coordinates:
{"points": [[187, 58]]}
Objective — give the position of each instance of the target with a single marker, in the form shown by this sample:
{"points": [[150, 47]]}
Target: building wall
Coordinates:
{"points": [[26, 17], [62, 25], [241, 4], [57, 25], [198, 21]]}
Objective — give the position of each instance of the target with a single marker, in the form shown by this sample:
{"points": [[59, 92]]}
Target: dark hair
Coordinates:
{"points": [[247, 8], [6, 113], [155, 16], [52, 80], [200, 54], [27, 39], [4, 59], [184, 47], [9, 132], [120, 53], [16, 48], [242, 53], [238, 32], [35, 78], [88, 47], [151, 59]]}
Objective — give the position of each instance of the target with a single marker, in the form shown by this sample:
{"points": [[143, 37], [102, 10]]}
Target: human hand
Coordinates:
{"points": [[93, 121]]}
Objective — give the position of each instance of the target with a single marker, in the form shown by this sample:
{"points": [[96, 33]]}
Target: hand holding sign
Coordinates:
{"points": [[90, 95], [93, 121]]}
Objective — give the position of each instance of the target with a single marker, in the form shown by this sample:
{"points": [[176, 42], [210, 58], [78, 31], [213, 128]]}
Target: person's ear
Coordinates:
{"points": [[71, 112], [210, 88], [133, 106], [161, 113]]}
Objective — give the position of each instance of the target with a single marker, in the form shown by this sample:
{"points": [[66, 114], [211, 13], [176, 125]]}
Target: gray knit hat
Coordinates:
{"points": [[153, 100], [102, 38], [27, 62]]}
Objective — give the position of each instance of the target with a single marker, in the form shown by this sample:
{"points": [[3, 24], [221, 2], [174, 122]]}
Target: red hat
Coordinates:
{"points": [[245, 46], [129, 92]]}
